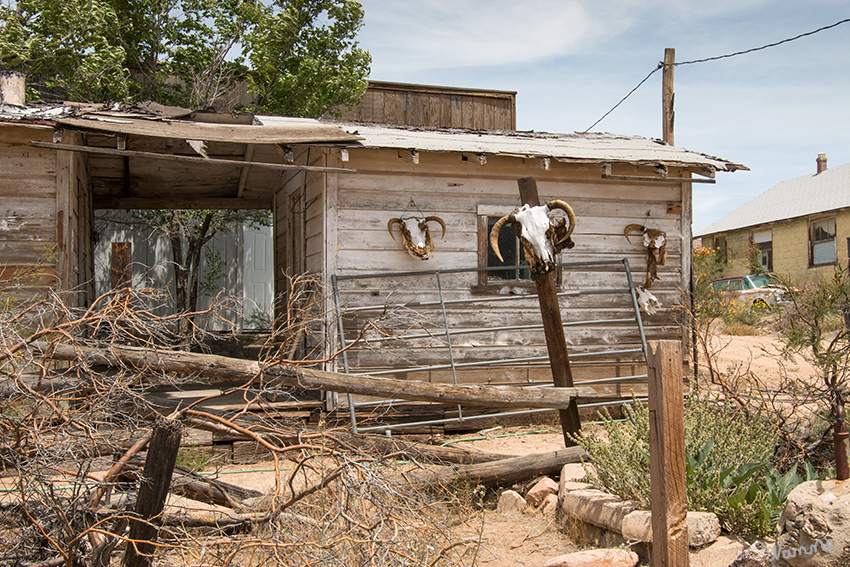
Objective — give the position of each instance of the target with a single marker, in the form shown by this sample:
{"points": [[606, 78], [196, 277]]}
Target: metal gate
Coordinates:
{"points": [[431, 327]]}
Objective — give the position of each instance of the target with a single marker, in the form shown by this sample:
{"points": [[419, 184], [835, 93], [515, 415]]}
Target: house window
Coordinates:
{"points": [[512, 255], [822, 237], [720, 247], [763, 240]]}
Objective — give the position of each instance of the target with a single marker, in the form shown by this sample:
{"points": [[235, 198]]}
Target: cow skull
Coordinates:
{"points": [[655, 242], [415, 234], [540, 236]]}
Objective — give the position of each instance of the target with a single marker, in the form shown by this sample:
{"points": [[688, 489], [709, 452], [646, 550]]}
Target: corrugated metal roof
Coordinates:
{"points": [[803, 196], [577, 147]]}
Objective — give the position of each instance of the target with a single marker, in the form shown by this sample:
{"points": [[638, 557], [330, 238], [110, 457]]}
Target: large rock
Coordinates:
{"points": [[814, 528], [511, 502], [719, 554], [756, 555], [595, 558], [538, 493]]}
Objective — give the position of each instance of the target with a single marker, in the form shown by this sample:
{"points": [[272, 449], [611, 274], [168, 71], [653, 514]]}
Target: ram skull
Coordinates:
{"points": [[541, 237], [415, 235], [655, 242]]}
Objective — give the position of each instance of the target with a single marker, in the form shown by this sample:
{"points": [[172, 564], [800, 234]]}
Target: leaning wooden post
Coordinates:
{"points": [[153, 490], [553, 326], [667, 455]]}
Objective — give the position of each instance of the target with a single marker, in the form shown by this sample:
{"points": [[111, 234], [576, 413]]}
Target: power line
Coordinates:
{"points": [[622, 100], [661, 64]]}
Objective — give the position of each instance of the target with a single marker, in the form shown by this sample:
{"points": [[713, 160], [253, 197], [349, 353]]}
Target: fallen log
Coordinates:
{"points": [[242, 371], [504, 471], [386, 446]]}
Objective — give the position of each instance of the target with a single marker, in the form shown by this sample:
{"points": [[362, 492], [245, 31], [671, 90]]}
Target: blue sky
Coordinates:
{"points": [[570, 61]]}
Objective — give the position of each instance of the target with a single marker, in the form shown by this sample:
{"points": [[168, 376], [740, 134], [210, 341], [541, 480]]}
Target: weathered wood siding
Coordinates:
{"points": [[458, 191], [434, 107], [28, 219]]}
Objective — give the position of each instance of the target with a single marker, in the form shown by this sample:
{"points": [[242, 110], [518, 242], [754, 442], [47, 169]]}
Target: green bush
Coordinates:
{"points": [[727, 461]]}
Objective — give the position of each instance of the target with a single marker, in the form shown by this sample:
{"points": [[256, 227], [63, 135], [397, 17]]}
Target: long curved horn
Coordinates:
{"points": [[631, 228], [571, 216], [494, 234], [439, 220], [390, 224]]}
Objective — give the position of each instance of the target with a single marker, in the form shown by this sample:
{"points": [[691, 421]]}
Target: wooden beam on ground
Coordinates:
{"points": [[189, 159], [553, 327], [667, 455], [236, 370], [504, 471]]}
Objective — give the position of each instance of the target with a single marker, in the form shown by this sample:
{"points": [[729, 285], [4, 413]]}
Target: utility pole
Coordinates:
{"points": [[667, 96]]}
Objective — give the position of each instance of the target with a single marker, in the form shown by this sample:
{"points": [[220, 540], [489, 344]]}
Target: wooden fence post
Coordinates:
{"points": [[667, 455], [153, 490], [553, 327]]}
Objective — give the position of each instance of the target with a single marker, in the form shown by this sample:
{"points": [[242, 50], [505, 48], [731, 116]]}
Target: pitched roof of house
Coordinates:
{"points": [[794, 198]]}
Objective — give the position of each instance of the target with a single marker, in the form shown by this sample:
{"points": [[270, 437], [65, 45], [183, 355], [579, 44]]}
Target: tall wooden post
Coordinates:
{"points": [[153, 490], [668, 116], [553, 326], [667, 455]]}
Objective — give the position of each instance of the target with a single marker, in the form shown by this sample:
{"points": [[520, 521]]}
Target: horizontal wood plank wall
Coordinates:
{"points": [[28, 219], [435, 107], [453, 189]]}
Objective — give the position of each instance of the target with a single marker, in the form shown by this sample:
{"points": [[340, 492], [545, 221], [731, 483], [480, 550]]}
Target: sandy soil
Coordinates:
{"points": [[758, 354]]}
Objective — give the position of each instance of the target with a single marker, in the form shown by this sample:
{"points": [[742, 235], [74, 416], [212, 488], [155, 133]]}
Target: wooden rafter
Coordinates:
{"points": [[189, 159]]}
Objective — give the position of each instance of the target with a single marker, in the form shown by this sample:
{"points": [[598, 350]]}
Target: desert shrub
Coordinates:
{"points": [[727, 461]]}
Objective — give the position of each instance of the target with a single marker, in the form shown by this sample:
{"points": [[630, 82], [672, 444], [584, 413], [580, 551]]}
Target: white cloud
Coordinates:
{"points": [[472, 33]]}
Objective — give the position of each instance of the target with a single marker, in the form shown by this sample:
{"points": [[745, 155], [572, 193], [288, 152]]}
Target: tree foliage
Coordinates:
{"points": [[300, 57]]}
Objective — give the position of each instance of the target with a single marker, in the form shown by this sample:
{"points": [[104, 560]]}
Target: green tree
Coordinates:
{"points": [[303, 54]]}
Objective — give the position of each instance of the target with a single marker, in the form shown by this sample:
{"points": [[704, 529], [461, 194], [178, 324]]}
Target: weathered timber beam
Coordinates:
{"points": [[228, 203], [190, 159], [221, 367], [505, 471]]}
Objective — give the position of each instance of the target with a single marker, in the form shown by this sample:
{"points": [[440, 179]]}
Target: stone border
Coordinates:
{"points": [[612, 513]]}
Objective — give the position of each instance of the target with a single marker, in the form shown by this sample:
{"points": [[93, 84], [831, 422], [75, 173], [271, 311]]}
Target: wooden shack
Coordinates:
{"points": [[334, 187]]}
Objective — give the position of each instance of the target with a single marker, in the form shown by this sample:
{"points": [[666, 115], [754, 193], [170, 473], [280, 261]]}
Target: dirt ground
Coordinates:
{"points": [[531, 539]]}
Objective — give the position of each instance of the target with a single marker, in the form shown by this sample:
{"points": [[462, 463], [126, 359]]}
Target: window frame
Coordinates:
{"points": [[814, 243], [485, 212], [765, 247], [724, 249]]}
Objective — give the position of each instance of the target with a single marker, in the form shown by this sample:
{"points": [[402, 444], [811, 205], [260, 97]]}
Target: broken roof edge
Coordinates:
{"points": [[578, 147]]}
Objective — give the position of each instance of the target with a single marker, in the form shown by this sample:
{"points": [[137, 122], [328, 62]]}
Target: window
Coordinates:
{"points": [[763, 240], [720, 247], [822, 242], [512, 254]]}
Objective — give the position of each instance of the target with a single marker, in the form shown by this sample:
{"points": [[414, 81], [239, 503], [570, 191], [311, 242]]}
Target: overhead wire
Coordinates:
{"points": [[715, 58]]}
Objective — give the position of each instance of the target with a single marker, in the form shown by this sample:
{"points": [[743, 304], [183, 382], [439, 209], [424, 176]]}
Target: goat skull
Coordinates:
{"points": [[415, 234], [540, 236], [656, 249], [647, 301]]}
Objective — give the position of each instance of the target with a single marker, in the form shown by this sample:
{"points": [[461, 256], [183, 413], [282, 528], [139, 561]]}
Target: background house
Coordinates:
{"points": [[799, 228]]}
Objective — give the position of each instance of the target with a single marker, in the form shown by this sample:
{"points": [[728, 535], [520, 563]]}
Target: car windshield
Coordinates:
{"points": [[761, 280]]}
